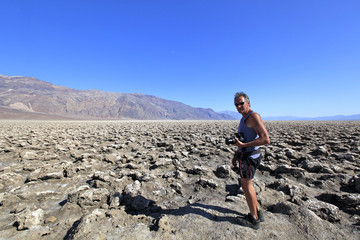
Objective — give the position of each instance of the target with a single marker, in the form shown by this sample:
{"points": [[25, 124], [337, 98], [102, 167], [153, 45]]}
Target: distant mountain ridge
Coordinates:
{"points": [[234, 114], [355, 117], [31, 95]]}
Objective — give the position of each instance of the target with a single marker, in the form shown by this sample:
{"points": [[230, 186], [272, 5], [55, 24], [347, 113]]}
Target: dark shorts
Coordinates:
{"points": [[248, 166]]}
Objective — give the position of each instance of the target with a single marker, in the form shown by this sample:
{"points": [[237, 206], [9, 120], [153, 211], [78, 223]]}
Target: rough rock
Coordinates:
{"points": [[223, 171], [173, 180], [324, 210], [27, 219]]}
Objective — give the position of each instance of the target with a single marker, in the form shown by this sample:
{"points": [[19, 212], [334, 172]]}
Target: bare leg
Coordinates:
{"points": [[250, 195]]}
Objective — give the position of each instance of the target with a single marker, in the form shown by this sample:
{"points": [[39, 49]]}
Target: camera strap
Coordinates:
{"points": [[244, 156]]}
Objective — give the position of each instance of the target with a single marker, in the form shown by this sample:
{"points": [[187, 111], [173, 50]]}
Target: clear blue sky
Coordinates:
{"points": [[293, 57]]}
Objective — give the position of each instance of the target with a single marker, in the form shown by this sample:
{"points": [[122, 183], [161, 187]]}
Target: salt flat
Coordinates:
{"points": [[172, 180]]}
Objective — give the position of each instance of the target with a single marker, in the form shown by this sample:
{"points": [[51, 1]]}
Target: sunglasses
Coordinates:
{"points": [[239, 104]]}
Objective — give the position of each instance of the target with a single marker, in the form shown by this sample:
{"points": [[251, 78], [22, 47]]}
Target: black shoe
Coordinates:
{"points": [[249, 221], [260, 216]]}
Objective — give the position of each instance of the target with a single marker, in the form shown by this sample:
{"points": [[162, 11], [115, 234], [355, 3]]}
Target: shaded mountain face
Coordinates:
{"points": [[33, 95]]}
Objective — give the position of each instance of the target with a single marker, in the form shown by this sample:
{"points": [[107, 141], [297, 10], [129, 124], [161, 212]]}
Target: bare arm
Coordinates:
{"points": [[254, 121]]}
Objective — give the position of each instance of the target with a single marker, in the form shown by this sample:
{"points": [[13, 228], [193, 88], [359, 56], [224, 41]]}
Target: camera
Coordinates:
{"points": [[232, 140]]}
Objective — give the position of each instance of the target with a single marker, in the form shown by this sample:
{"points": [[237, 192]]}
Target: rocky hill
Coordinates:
{"points": [[31, 95]]}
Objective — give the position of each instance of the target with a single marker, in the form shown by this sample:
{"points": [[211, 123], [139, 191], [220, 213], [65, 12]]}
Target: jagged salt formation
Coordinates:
{"points": [[173, 180]]}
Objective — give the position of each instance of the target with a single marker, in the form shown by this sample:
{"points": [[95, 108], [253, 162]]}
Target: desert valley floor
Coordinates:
{"points": [[173, 180]]}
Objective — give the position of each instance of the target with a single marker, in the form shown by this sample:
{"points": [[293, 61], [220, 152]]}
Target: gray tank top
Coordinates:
{"points": [[249, 135]]}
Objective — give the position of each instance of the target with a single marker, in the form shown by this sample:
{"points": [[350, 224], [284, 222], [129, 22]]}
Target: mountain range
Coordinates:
{"points": [[31, 98], [28, 97], [355, 117]]}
